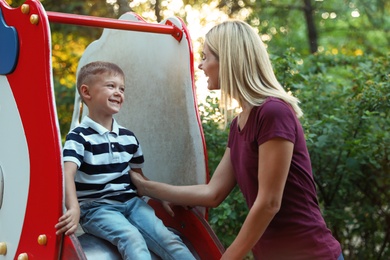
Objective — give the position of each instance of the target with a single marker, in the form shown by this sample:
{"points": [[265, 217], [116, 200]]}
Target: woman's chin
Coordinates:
{"points": [[210, 87]]}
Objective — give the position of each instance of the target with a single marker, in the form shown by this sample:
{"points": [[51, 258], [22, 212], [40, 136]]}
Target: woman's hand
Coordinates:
{"points": [[138, 179]]}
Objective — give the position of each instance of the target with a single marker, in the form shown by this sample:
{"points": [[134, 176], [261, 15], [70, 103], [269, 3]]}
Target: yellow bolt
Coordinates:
{"points": [[34, 19], [25, 8], [3, 248], [23, 256], [42, 240]]}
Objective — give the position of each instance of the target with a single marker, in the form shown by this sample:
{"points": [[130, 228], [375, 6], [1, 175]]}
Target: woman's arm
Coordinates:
{"points": [[69, 221], [274, 163], [206, 195]]}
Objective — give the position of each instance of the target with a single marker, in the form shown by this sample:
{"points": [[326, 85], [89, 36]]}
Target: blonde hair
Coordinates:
{"points": [[245, 70]]}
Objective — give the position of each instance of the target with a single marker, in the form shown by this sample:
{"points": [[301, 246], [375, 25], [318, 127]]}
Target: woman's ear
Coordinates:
{"points": [[84, 92]]}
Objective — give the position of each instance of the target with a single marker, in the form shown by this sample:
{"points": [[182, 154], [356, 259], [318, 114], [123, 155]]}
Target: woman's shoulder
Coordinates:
{"points": [[274, 101], [275, 107]]}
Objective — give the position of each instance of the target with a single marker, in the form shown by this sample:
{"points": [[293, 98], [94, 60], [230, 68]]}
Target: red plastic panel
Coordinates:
{"points": [[194, 228], [31, 83]]}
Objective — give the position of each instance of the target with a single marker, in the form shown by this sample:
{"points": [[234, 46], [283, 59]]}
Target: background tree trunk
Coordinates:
{"points": [[123, 6], [311, 28], [157, 10]]}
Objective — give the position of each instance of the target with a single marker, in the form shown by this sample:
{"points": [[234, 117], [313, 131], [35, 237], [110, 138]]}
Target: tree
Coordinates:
{"points": [[351, 26]]}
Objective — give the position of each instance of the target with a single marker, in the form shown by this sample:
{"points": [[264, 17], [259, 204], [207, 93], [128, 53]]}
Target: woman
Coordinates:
{"points": [[266, 156]]}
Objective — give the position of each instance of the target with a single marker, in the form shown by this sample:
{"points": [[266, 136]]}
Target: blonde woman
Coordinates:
{"points": [[266, 156]]}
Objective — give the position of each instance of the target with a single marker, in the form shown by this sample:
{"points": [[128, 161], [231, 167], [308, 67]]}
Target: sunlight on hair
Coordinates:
{"points": [[235, 106], [198, 22]]}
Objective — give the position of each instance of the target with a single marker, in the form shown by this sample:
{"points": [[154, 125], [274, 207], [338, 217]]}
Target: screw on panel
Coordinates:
{"points": [[42, 240], [25, 8], [34, 19], [23, 256], [3, 248]]}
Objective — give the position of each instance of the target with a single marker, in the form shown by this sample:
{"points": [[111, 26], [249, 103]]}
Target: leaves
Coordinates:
{"points": [[347, 123]]}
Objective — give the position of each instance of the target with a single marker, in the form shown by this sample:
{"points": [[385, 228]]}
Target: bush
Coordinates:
{"points": [[226, 219], [347, 122]]}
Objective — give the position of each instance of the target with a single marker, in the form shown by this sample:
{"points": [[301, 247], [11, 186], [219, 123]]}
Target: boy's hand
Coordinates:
{"points": [[68, 222]]}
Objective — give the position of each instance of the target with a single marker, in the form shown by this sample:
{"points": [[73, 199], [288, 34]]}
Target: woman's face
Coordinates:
{"points": [[210, 67]]}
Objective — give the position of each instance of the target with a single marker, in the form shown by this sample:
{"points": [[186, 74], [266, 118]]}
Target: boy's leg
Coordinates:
{"points": [[108, 222], [159, 239]]}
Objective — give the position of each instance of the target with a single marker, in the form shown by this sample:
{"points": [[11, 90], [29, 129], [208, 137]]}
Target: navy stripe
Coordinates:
{"points": [[103, 168], [124, 131], [85, 131], [137, 160], [120, 197], [123, 197], [73, 153], [125, 179], [131, 148], [93, 186], [105, 148], [98, 148], [75, 137]]}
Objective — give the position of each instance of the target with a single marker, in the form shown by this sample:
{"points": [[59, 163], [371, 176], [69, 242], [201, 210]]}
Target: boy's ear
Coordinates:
{"points": [[84, 92]]}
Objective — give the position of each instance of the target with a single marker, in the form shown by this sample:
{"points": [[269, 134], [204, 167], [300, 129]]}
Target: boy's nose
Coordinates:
{"points": [[118, 93]]}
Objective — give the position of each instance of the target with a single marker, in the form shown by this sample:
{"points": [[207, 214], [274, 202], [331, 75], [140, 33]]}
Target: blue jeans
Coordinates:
{"points": [[133, 227]]}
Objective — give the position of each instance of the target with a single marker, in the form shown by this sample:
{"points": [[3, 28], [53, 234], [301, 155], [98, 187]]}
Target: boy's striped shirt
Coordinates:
{"points": [[104, 159]]}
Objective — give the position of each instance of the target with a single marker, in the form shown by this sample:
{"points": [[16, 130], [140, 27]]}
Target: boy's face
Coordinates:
{"points": [[106, 94]]}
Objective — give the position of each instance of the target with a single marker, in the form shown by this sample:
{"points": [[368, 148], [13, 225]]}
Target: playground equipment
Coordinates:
{"points": [[160, 109]]}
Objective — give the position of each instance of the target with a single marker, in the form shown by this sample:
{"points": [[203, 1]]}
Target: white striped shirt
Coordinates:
{"points": [[104, 159]]}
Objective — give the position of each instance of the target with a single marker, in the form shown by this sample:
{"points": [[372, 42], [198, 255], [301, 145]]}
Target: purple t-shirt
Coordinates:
{"points": [[298, 230]]}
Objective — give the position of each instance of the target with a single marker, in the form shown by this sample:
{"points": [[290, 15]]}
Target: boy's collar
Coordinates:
{"points": [[99, 128]]}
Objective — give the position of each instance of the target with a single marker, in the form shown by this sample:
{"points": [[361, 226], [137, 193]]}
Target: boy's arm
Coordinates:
{"points": [[69, 221]]}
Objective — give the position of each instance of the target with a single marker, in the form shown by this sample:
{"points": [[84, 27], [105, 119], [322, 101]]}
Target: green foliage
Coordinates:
{"points": [[350, 27], [226, 219], [216, 137], [67, 49], [347, 122]]}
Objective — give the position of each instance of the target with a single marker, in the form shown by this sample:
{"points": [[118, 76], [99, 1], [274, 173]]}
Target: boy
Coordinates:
{"points": [[98, 155]]}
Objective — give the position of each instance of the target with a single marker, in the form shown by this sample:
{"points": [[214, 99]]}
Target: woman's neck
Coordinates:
{"points": [[244, 115], [246, 107]]}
